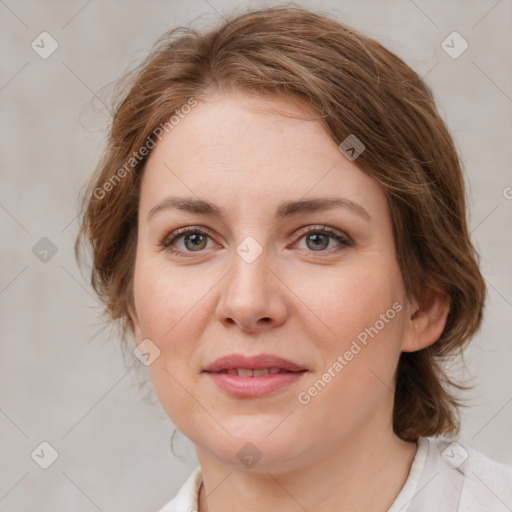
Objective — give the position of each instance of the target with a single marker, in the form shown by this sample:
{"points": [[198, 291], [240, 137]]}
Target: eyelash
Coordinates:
{"points": [[168, 240]]}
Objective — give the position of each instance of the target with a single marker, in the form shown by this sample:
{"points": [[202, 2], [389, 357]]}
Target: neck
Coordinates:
{"points": [[358, 476]]}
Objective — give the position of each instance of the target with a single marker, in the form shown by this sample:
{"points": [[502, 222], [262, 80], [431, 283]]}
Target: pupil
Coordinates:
{"points": [[196, 240], [319, 238]]}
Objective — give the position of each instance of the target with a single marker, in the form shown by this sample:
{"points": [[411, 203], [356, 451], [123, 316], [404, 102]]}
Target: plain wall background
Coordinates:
{"points": [[62, 383]]}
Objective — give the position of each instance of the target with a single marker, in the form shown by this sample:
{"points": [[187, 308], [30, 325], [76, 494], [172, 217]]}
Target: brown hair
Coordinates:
{"points": [[357, 87]]}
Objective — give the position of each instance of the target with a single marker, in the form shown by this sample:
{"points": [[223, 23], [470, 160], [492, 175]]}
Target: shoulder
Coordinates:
{"points": [[457, 477], [186, 498]]}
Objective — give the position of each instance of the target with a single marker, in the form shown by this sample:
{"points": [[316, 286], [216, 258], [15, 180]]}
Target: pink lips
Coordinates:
{"points": [[271, 374]]}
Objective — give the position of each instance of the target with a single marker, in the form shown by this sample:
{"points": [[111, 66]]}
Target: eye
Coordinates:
{"points": [[193, 238], [318, 238]]}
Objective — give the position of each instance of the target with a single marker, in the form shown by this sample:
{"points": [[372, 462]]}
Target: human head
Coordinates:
{"points": [[356, 87]]}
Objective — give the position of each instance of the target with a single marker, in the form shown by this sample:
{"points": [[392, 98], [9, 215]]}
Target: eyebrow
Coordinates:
{"points": [[285, 209]]}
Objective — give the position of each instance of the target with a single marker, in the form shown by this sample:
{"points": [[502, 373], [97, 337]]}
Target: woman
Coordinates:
{"points": [[279, 221]]}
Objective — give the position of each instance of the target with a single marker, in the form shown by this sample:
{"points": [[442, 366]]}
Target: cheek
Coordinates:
{"points": [[359, 338], [345, 302], [168, 304], [166, 299]]}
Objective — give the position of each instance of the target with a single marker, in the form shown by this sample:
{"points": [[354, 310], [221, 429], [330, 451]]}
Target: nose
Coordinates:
{"points": [[252, 296]]}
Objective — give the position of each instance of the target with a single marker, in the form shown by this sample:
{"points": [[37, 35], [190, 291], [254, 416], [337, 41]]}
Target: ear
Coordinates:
{"points": [[427, 321]]}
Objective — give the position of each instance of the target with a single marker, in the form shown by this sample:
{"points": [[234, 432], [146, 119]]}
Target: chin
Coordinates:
{"points": [[254, 449]]}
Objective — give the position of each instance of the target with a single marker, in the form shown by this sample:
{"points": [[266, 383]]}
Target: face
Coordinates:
{"points": [[266, 270]]}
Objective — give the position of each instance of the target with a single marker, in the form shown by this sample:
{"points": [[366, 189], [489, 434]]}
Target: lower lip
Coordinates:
{"points": [[254, 386]]}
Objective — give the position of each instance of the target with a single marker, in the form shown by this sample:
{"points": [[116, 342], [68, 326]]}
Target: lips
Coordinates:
{"points": [[263, 364], [252, 377]]}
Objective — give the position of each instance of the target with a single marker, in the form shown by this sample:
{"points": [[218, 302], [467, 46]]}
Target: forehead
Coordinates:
{"points": [[233, 147]]}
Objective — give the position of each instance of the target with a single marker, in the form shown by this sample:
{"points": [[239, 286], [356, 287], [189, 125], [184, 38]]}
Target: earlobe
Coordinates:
{"points": [[427, 321]]}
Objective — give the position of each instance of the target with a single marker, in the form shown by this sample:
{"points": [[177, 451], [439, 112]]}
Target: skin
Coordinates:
{"points": [[297, 301]]}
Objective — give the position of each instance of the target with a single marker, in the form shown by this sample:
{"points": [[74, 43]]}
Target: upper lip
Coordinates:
{"points": [[258, 362]]}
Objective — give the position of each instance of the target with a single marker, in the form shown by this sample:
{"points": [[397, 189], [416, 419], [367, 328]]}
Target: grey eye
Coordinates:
{"points": [[195, 241], [318, 241]]}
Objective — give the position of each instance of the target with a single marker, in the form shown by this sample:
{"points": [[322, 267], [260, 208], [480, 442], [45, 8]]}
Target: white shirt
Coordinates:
{"points": [[445, 476]]}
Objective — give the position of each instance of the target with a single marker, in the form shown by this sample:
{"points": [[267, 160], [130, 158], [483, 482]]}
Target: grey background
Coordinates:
{"points": [[61, 381]]}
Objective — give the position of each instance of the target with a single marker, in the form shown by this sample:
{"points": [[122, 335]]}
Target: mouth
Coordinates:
{"points": [[255, 376]]}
